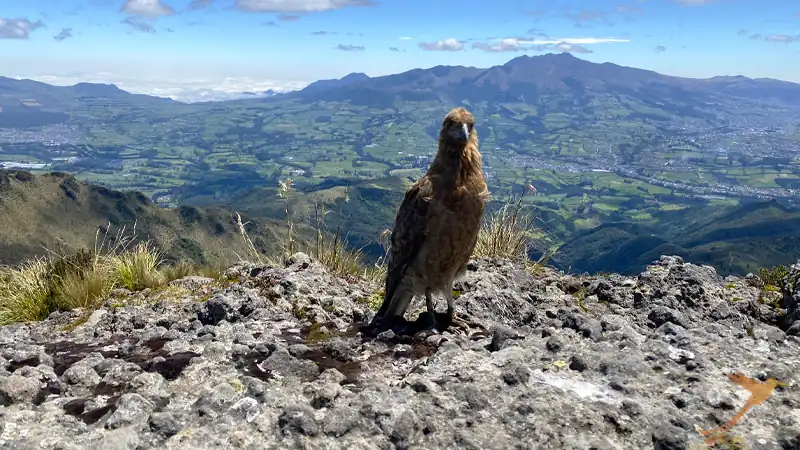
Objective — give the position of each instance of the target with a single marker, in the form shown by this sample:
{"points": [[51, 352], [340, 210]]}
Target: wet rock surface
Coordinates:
{"points": [[275, 357]]}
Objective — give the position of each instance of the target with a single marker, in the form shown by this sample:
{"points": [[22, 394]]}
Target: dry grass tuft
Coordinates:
{"points": [[329, 249], [333, 253], [25, 292], [85, 277], [138, 268], [506, 232]]}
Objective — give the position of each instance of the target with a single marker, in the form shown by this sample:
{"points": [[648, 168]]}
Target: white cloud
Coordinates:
{"points": [[504, 45], [445, 45], [147, 8], [576, 41], [185, 90], [572, 48], [297, 6], [782, 38], [574, 45], [200, 4], [65, 33], [405, 38], [17, 28]]}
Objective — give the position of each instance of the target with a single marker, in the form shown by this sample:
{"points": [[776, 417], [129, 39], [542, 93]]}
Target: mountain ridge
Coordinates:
{"points": [[551, 98], [40, 213], [435, 73], [550, 60]]}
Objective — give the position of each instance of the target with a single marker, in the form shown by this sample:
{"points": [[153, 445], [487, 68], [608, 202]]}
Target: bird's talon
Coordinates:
{"points": [[463, 325]]}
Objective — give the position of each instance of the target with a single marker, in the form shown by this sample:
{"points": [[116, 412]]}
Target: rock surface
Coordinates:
{"points": [[272, 358]]}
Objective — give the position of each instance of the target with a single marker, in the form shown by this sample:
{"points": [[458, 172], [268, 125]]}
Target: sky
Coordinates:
{"points": [[215, 49]]}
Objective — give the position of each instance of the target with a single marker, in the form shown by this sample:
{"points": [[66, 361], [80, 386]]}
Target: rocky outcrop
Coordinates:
{"points": [[791, 300], [273, 358]]}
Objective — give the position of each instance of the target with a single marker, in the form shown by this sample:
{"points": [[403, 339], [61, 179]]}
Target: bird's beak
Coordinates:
{"points": [[464, 132]]}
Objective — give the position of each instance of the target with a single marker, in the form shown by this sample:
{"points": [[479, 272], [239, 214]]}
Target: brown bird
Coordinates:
{"points": [[437, 224]]}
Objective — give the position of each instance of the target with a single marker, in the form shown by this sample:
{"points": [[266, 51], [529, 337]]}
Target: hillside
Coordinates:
{"points": [[28, 103], [57, 212], [363, 210], [276, 357], [734, 239]]}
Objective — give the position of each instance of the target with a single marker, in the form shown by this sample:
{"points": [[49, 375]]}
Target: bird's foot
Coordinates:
{"points": [[465, 325]]}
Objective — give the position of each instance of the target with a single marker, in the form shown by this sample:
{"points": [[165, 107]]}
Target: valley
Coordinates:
{"points": [[602, 144]]}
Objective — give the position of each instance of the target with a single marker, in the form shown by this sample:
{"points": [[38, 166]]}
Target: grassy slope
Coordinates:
{"points": [[362, 210], [55, 210], [734, 240]]}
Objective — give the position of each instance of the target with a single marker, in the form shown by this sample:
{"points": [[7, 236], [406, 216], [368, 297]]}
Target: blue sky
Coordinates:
{"points": [[169, 47]]}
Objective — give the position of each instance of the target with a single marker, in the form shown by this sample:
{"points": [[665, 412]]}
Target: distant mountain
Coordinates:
{"points": [[12, 90], [553, 110], [347, 80], [735, 240], [28, 103], [41, 212], [527, 78], [98, 90]]}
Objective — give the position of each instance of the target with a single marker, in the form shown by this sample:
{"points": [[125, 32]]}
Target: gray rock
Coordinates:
{"points": [[163, 424], [245, 409], [298, 420], [131, 409], [638, 365], [192, 283], [17, 389], [340, 421], [82, 375]]}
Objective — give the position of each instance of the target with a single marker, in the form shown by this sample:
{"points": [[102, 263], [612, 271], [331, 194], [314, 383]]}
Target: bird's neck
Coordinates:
{"points": [[456, 163]]}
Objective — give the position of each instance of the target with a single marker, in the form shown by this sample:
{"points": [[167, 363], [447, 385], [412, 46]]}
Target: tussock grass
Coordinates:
{"points": [[506, 232], [138, 268], [85, 277], [25, 292], [333, 253], [774, 276]]}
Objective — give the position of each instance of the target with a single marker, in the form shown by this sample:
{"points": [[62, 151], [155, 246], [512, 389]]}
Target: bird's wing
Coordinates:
{"points": [[408, 235]]}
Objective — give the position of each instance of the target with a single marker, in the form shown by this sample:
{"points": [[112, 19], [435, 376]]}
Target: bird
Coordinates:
{"points": [[437, 223]]}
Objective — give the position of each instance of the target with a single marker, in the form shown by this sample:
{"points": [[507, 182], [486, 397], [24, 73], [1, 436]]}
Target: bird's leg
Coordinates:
{"points": [[431, 310], [456, 321]]}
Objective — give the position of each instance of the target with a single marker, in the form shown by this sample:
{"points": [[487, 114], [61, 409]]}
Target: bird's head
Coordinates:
{"points": [[458, 125]]}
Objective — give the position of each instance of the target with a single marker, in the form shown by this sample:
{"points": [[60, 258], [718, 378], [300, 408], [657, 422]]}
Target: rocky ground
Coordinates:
{"points": [[272, 358]]}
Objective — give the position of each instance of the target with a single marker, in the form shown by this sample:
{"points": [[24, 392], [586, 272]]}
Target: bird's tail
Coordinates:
{"points": [[396, 302]]}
